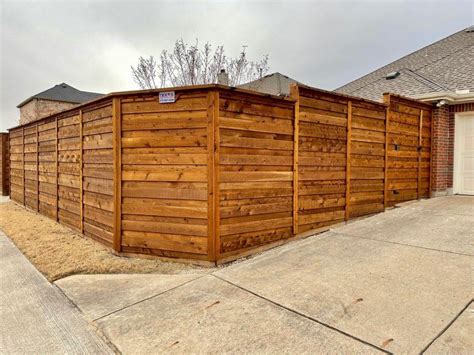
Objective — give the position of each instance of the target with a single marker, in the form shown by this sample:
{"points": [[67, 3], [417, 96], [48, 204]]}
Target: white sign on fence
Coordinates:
{"points": [[167, 97]]}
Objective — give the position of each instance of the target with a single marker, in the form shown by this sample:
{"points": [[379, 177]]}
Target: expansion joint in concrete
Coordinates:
{"points": [[447, 327], [279, 305]]}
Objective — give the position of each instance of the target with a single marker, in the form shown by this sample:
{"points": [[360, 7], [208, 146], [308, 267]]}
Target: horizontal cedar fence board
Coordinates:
{"points": [[255, 172], [4, 164], [97, 173], [31, 166], [56, 177], [408, 149], [48, 147], [164, 175], [322, 149], [17, 168], [367, 126], [69, 167], [219, 172]]}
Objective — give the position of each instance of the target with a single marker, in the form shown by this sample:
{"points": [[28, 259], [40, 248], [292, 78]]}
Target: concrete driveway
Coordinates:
{"points": [[397, 282]]}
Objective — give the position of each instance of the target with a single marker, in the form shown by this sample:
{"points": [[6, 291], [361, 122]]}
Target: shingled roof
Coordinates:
{"points": [[64, 93], [446, 65], [273, 84]]}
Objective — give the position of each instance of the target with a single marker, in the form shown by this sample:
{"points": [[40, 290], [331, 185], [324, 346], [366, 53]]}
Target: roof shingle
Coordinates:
{"points": [[65, 93], [445, 65]]}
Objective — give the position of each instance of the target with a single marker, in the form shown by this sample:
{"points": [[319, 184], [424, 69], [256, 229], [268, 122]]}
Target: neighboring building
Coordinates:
{"points": [[58, 98], [443, 74], [273, 84]]}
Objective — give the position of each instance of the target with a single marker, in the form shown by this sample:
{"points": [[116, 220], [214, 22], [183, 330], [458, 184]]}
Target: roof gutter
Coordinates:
{"points": [[451, 98]]}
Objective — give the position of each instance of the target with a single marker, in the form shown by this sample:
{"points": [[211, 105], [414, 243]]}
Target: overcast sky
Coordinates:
{"points": [[91, 44]]}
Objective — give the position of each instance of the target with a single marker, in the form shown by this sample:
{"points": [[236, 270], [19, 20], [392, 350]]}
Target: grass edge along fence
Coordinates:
{"points": [[219, 173]]}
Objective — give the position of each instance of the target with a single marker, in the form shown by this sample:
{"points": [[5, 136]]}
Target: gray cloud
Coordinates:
{"points": [[91, 44]]}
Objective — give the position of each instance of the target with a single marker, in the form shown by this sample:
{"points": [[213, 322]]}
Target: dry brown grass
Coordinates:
{"points": [[57, 251]]}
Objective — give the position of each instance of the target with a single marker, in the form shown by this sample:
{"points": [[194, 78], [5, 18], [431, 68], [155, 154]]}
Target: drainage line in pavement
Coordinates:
{"points": [[304, 316], [447, 327]]}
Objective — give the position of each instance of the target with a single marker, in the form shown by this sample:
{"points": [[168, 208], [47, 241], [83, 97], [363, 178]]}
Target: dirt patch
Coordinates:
{"points": [[57, 251]]}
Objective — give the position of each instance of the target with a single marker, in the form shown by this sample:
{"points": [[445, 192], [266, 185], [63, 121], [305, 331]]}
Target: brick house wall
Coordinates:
{"points": [[440, 147], [37, 108], [443, 147]]}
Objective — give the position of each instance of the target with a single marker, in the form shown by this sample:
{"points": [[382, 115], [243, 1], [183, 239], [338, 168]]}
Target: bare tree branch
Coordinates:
{"points": [[190, 65], [145, 72]]}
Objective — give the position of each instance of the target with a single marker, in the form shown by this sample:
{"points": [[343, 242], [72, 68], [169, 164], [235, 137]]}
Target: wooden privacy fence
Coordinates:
{"points": [[4, 164], [220, 172]]}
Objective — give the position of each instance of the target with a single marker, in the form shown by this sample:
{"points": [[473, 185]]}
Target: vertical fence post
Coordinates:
{"points": [[213, 151], [295, 94], [420, 142], [23, 162], [81, 173], [385, 178], [57, 170], [37, 168], [348, 159], [10, 167], [211, 177], [117, 143], [217, 156], [3, 157]]}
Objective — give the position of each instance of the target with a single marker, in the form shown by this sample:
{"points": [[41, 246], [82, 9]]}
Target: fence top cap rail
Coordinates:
{"points": [[333, 93], [388, 95], [200, 87], [116, 94]]}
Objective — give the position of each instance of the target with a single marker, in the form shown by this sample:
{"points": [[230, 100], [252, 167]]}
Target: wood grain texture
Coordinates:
{"points": [[4, 164], [256, 174], [81, 168], [219, 172], [409, 149], [117, 172], [322, 144], [167, 175], [348, 159], [296, 96]]}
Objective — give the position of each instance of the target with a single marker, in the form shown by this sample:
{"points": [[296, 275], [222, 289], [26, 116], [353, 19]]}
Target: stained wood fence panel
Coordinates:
{"points": [[47, 167], [409, 149], [220, 172], [322, 152], [255, 171], [4, 164], [65, 174], [30, 157], [97, 172], [367, 159], [69, 170], [16, 166], [164, 174]]}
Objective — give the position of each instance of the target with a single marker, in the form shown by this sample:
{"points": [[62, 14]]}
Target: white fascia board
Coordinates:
{"points": [[450, 97]]}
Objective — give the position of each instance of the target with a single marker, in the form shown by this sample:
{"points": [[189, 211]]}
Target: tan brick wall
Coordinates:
{"points": [[37, 108]]}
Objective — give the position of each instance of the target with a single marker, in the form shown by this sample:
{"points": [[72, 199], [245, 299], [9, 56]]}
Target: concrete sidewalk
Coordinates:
{"points": [[35, 315], [397, 282]]}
